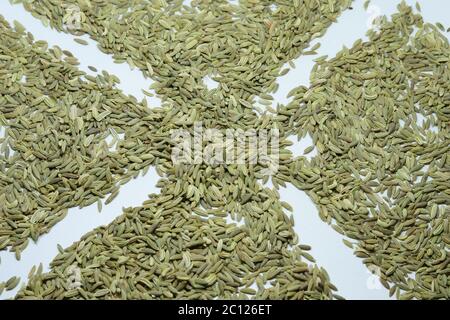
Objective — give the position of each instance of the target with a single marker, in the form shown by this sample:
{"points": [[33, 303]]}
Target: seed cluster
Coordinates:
{"points": [[55, 153], [178, 65], [379, 115], [167, 53], [380, 178], [171, 248]]}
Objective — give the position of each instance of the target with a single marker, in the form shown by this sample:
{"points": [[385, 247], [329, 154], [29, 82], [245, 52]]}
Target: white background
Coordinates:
{"points": [[346, 271]]}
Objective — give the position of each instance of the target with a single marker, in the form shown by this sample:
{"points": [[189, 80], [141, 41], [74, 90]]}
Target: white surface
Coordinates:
{"points": [[346, 271]]}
